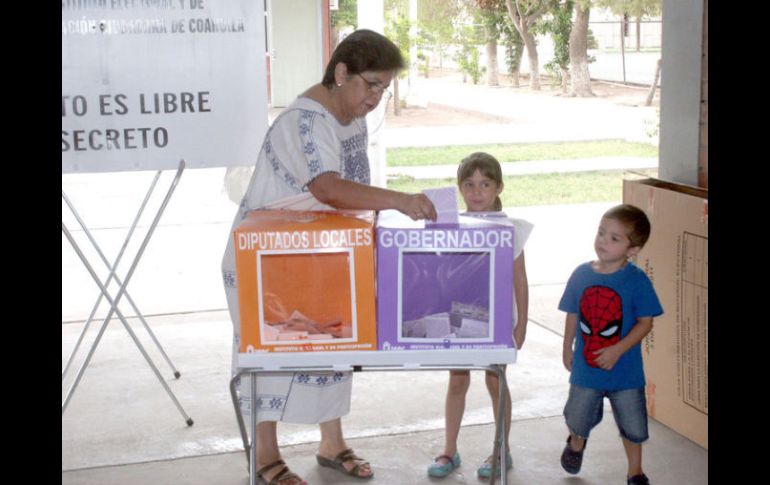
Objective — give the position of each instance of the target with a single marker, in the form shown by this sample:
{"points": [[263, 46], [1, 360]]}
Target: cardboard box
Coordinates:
{"points": [[675, 352], [444, 286], [306, 281]]}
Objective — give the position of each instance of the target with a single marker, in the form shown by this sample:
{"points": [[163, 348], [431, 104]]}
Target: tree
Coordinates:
{"points": [[560, 27], [651, 93], [435, 21], [397, 30], [490, 20], [578, 51], [514, 49], [523, 14], [345, 16], [468, 37]]}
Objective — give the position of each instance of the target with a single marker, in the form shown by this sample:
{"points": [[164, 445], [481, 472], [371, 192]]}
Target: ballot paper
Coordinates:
{"points": [[445, 201]]}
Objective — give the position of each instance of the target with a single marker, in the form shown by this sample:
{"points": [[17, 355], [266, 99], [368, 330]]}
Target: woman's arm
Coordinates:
{"points": [[330, 189]]}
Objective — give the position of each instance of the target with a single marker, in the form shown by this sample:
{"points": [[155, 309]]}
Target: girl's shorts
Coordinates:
{"points": [[585, 406]]}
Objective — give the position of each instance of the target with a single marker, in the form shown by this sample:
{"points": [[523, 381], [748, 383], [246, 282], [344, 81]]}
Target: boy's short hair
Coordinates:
{"points": [[635, 220]]}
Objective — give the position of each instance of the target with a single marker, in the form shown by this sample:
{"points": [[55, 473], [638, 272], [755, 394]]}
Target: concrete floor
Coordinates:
{"points": [[122, 428]]}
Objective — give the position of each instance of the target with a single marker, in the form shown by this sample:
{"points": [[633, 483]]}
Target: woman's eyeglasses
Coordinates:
{"points": [[374, 87]]}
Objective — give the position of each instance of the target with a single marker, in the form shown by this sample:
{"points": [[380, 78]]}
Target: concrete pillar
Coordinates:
{"points": [[680, 93]]}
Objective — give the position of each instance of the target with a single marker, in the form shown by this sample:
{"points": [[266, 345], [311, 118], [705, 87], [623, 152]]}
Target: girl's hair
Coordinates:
{"points": [[364, 50], [634, 219], [487, 165]]}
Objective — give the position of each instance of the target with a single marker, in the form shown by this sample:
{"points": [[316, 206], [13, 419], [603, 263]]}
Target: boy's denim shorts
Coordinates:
{"points": [[585, 407]]}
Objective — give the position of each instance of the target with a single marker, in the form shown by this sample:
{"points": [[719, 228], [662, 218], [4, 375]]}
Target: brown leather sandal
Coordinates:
{"points": [[283, 474], [338, 463]]}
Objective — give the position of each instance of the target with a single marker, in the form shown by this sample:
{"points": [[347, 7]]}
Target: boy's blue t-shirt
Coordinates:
{"points": [[607, 307]]}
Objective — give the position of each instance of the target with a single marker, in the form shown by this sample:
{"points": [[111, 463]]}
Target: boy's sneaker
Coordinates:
{"points": [[572, 460], [639, 480]]}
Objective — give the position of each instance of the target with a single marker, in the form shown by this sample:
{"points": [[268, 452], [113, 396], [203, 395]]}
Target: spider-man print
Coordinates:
{"points": [[601, 316]]}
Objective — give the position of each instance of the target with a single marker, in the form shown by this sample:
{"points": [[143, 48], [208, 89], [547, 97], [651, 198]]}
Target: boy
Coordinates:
{"points": [[613, 303]]}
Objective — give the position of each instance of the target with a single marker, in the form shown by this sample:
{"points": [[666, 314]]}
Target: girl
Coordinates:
{"points": [[480, 179]]}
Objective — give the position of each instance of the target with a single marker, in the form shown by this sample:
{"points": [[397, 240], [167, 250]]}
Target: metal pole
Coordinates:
{"points": [[239, 416], [253, 450], [623, 48]]}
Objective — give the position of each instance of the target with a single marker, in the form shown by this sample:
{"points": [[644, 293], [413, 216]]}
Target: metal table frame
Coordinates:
{"points": [[251, 451], [122, 291]]}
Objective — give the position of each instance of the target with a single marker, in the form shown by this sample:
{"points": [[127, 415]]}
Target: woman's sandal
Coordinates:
{"points": [[338, 463], [283, 474]]}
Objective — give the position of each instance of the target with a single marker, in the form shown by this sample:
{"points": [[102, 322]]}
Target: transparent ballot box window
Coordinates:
{"points": [[445, 295], [295, 303]]}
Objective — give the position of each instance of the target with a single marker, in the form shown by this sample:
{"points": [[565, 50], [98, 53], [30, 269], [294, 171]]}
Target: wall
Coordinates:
{"points": [[296, 48]]}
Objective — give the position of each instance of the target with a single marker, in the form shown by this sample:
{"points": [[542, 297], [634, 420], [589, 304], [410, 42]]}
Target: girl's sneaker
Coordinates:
{"points": [[440, 470], [485, 470]]}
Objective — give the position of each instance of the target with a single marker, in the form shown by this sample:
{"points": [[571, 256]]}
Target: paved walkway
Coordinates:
{"points": [[532, 117]]}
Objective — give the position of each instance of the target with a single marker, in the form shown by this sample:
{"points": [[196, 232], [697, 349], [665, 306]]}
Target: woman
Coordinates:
{"points": [[318, 145]]}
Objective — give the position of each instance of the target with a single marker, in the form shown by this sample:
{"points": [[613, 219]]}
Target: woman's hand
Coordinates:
{"points": [[417, 206], [330, 189]]}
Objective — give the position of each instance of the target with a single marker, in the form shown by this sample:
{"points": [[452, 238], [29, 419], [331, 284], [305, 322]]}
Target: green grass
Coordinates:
{"points": [[541, 189], [408, 157]]}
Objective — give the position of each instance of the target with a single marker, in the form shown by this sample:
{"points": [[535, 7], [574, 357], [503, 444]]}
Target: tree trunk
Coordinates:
{"points": [[564, 80], [651, 94], [492, 78], [638, 34], [534, 64], [578, 54], [515, 79], [521, 24]]}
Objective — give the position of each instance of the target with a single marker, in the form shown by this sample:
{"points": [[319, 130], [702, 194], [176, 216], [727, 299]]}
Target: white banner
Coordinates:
{"points": [[146, 83]]}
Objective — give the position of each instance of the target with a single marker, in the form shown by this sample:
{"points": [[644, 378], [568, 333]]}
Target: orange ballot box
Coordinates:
{"points": [[306, 281]]}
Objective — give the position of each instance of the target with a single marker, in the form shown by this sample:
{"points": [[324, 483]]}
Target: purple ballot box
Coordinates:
{"points": [[444, 286]]}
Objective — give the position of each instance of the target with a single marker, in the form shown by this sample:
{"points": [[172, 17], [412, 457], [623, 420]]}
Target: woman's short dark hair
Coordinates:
{"points": [[364, 50]]}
